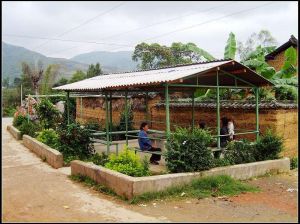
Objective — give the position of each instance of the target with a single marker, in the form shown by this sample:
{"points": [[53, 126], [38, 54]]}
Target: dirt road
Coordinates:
{"points": [[33, 191]]}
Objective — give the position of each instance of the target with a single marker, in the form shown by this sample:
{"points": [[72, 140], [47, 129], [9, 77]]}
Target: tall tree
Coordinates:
{"points": [[264, 39], [77, 76], [48, 79], [61, 82], [5, 82], [155, 55], [34, 73], [94, 70]]}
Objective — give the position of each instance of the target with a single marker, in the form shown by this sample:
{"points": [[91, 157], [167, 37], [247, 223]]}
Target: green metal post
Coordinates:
{"points": [[106, 123], [167, 109], [81, 107], [256, 111], [218, 111], [68, 106], [147, 112], [110, 115], [126, 116], [193, 110]]}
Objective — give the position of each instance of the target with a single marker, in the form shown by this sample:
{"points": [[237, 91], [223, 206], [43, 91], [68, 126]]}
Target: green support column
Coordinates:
{"points": [[167, 109], [110, 115], [106, 123], [68, 107], [218, 111], [147, 108], [193, 110], [126, 116], [257, 112]]}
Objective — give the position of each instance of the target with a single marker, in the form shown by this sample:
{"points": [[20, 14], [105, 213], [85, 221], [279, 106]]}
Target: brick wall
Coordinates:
{"points": [[278, 61]]}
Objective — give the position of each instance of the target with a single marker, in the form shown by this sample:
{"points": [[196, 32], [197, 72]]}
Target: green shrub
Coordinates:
{"points": [[188, 151], [75, 141], [286, 92], [268, 146], [99, 159], [47, 113], [219, 162], [239, 152], [49, 137], [294, 163], [127, 162], [29, 128], [19, 120], [93, 125], [9, 111]]}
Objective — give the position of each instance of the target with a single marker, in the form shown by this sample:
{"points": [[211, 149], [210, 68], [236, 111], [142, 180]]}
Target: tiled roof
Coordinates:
{"points": [[235, 104]]}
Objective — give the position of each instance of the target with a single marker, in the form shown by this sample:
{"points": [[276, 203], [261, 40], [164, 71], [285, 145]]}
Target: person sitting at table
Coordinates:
{"points": [[146, 144], [202, 124], [224, 131]]}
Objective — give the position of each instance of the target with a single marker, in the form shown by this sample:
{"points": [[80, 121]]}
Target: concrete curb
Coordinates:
{"points": [[52, 156], [14, 132], [128, 187]]}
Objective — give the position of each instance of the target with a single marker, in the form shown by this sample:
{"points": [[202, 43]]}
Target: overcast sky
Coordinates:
{"points": [[97, 21]]}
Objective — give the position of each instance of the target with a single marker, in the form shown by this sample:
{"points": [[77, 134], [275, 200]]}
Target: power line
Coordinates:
{"points": [[84, 23], [203, 23], [151, 25]]}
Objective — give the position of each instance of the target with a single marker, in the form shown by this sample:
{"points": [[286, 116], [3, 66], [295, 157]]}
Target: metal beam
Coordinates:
{"points": [[68, 106], [110, 115], [207, 86], [242, 80], [106, 123], [218, 111], [167, 109], [126, 117], [257, 111]]}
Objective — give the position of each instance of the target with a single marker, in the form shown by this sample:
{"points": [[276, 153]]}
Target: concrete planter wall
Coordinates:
{"points": [[15, 132], [52, 156], [128, 186]]}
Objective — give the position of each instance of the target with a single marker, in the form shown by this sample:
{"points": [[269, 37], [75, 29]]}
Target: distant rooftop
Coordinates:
{"points": [[293, 41]]}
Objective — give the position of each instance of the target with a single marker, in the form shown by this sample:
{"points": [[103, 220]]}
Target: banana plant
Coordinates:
{"points": [[230, 48]]}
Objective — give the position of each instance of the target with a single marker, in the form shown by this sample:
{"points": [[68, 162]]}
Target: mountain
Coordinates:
{"points": [[13, 56], [110, 61]]}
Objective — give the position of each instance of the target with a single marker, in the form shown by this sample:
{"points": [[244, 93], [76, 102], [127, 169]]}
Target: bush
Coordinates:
{"points": [[239, 152], [268, 146], [294, 163], [286, 92], [29, 128], [49, 137], [75, 141], [47, 114], [9, 111], [188, 151], [218, 162], [127, 162], [93, 125], [99, 159], [19, 120]]}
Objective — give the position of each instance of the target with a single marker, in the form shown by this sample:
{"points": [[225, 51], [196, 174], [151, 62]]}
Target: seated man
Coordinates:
{"points": [[145, 143], [224, 131]]}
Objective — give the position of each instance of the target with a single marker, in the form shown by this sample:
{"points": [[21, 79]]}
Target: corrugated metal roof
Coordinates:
{"points": [[140, 77]]}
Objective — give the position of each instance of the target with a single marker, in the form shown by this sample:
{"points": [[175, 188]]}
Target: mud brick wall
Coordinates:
{"points": [[282, 121], [278, 61], [93, 109]]}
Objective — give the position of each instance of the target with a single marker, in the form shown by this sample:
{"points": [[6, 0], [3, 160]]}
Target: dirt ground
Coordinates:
{"points": [[35, 192]]}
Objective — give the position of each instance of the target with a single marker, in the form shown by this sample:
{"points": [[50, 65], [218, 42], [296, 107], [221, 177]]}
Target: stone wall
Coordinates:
{"points": [[128, 187], [15, 132]]}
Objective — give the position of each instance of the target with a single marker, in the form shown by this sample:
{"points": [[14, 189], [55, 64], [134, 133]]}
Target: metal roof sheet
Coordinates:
{"points": [[140, 77]]}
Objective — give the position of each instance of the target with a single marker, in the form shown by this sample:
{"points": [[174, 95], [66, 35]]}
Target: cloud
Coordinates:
{"points": [[49, 19]]}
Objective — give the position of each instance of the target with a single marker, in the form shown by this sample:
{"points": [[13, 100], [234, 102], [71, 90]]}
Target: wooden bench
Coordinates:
{"points": [[137, 149]]}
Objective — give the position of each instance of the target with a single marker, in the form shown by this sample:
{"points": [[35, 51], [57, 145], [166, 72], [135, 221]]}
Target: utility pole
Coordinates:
{"points": [[21, 95]]}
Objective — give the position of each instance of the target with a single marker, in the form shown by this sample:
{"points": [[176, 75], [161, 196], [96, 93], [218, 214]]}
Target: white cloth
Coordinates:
{"points": [[230, 127]]}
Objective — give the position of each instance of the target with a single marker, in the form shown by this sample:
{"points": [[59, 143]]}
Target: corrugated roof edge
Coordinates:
{"points": [[173, 66]]}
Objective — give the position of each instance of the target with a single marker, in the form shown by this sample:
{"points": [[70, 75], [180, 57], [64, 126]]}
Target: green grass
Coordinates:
{"points": [[87, 181], [201, 188]]}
